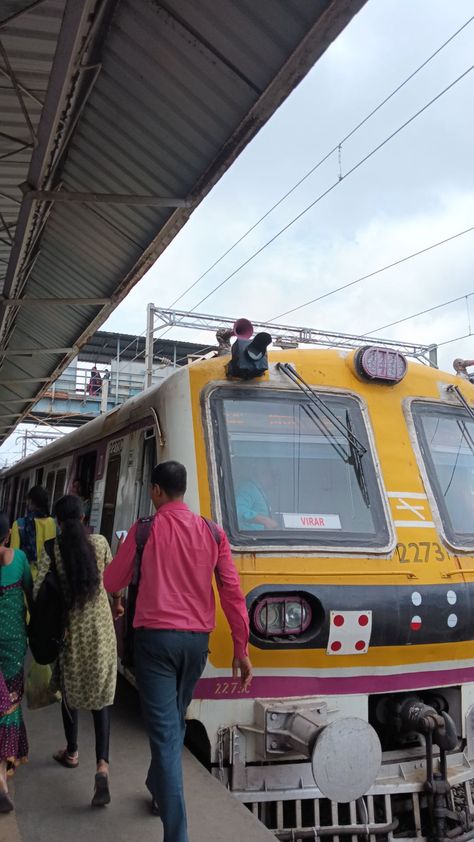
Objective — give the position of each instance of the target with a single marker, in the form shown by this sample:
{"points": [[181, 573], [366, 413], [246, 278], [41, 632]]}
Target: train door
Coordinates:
{"points": [[13, 499], [148, 462], [50, 488], [110, 496], [59, 484]]}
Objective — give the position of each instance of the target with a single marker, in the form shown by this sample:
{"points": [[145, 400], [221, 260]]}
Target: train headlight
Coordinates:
{"points": [[280, 616]]}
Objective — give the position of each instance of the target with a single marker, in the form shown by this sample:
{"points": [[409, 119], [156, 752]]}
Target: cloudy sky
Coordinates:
{"points": [[418, 189], [415, 191]]}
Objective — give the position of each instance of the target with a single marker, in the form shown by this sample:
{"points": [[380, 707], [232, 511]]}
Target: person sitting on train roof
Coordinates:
{"points": [[175, 612], [29, 533], [460, 367], [86, 671]]}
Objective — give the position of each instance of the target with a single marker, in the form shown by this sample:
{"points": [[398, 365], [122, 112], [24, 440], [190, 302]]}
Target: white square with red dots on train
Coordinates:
{"points": [[349, 632]]}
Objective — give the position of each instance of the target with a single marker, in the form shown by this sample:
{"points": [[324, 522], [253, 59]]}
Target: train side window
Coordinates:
{"points": [[50, 488], [59, 484], [446, 438], [148, 463], [288, 478], [39, 476]]}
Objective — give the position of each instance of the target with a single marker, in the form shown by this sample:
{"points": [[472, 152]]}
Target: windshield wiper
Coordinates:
{"points": [[462, 400], [356, 462], [320, 406]]}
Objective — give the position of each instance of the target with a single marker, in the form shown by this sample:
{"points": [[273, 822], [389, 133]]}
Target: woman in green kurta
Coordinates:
{"points": [[86, 672], [15, 582]]}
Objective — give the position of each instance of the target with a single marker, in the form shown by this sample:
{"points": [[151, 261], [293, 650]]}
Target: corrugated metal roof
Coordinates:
{"points": [[122, 97]]}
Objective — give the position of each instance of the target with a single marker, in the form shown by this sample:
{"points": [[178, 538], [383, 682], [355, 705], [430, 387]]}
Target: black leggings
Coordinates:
{"points": [[101, 728]]}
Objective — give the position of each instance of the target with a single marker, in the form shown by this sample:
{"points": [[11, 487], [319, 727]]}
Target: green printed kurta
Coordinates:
{"points": [[88, 661]]}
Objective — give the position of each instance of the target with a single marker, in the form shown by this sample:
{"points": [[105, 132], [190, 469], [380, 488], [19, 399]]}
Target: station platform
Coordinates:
{"points": [[53, 803]]}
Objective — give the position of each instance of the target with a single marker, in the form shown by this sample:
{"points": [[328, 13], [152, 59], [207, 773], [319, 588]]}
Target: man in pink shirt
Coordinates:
{"points": [[175, 611]]}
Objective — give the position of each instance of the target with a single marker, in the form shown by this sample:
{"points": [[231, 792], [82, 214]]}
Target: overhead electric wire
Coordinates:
{"points": [[372, 274], [328, 190], [323, 160], [421, 313]]}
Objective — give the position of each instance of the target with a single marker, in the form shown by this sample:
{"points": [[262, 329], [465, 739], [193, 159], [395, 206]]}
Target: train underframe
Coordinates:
{"points": [[422, 789]]}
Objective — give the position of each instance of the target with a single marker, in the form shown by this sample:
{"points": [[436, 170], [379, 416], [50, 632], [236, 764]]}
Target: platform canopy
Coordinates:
{"points": [[116, 118]]}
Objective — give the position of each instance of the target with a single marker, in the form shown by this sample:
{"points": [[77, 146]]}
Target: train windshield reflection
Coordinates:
{"points": [[288, 479], [446, 436]]}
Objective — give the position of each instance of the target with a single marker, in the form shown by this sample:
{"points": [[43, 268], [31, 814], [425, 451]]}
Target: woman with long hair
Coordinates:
{"points": [[86, 671], [15, 583]]}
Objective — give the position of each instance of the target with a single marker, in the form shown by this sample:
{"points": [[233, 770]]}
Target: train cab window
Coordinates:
{"points": [[286, 478], [446, 438]]}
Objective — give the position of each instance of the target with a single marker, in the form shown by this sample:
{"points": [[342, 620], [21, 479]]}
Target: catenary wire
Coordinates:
{"points": [[323, 160], [372, 274], [335, 184], [421, 313]]}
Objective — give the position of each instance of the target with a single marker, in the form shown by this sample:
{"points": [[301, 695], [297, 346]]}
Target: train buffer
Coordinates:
{"points": [[53, 803]]}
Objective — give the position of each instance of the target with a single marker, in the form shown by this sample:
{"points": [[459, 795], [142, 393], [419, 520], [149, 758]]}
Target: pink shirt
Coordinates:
{"points": [[179, 561]]}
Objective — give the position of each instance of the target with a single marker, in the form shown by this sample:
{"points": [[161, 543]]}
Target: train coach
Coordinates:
{"points": [[345, 482]]}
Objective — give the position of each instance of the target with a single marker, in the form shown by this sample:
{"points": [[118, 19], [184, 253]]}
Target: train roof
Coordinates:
{"points": [[420, 379]]}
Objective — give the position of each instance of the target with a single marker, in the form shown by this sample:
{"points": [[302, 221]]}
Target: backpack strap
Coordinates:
{"points": [[213, 529], [143, 533]]}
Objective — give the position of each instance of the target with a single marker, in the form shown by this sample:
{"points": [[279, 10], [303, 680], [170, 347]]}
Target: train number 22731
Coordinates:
{"points": [[422, 551]]}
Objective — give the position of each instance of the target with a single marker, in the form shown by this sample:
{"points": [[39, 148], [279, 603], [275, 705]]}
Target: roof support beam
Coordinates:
{"points": [[16, 15], [75, 23], [107, 198], [53, 302], [32, 352]]}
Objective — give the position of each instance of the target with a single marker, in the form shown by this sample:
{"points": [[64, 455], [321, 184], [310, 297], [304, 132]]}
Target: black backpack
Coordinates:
{"points": [[46, 629]]}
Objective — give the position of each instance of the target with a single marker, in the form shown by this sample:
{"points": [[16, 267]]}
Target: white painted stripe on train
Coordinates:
{"points": [[416, 524], [355, 672], [410, 495]]}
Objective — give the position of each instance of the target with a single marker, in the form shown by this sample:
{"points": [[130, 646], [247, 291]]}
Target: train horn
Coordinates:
{"points": [[243, 329]]}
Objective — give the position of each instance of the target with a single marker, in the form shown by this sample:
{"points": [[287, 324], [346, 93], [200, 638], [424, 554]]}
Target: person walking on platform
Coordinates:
{"points": [[174, 614], [15, 582], [86, 672], [30, 532]]}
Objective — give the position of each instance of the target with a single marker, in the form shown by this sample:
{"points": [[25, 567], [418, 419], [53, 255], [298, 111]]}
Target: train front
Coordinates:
{"points": [[345, 482]]}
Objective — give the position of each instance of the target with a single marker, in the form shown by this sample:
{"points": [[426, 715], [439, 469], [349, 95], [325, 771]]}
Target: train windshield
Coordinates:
{"points": [[446, 437], [287, 477]]}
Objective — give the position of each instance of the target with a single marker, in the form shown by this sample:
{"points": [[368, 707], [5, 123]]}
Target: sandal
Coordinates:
{"points": [[101, 795], [6, 804], [66, 759]]}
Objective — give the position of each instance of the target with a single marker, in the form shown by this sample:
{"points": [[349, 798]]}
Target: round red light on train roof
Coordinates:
{"points": [[382, 365]]}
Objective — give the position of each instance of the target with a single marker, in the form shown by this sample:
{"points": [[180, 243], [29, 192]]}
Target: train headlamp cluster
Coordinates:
{"points": [[281, 616], [381, 365], [249, 356]]}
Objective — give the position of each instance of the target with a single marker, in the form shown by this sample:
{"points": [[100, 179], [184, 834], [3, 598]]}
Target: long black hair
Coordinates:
{"points": [[77, 552]]}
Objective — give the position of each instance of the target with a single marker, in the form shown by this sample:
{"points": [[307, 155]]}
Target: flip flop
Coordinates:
{"points": [[101, 795], [64, 759], [6, 804]]}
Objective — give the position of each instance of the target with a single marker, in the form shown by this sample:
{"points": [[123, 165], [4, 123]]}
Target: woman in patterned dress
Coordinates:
{"points": [[86, 672], [15, 582]]}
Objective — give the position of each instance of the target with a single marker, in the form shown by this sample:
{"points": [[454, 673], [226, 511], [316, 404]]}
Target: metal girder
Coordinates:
{"points": [[288, 335], [12, 76], [107, 198]]}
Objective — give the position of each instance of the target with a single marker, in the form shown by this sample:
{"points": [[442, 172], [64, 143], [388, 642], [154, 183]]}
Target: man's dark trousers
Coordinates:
{"points": [[168, 664]]}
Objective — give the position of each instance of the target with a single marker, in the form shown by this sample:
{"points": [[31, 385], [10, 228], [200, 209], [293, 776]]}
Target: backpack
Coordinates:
{"points": [[143, 533], [47, 626]]}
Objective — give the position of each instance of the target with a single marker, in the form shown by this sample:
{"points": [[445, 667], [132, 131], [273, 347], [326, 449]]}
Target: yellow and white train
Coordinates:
{"points": [[345, 481]]}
